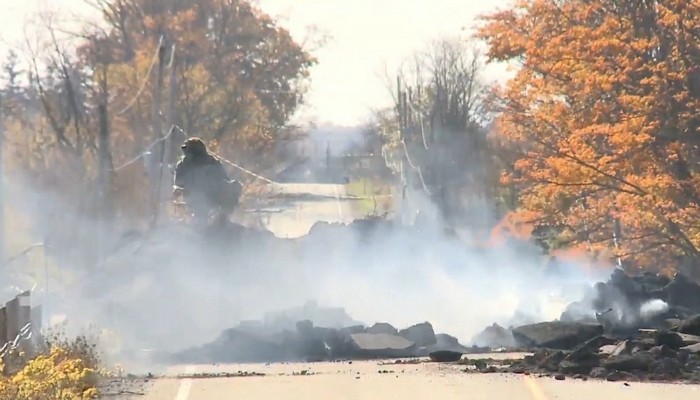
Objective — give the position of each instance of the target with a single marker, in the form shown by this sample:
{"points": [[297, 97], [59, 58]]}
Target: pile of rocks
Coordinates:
{"points": [[626, 303], [644, 327], [583, 350], [312, 343]]}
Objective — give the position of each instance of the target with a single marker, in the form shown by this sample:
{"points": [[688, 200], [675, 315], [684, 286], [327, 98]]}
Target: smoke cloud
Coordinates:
{"points": [[179, 286], [652, 308]]}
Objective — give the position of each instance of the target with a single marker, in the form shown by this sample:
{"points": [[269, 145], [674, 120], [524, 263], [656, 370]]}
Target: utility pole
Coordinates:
{"points": [[105, 169], [166, 143], [104, 158], [154, 193]]}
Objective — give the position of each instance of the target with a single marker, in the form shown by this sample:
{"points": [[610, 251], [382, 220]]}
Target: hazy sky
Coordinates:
{"points": [[366, 36]]}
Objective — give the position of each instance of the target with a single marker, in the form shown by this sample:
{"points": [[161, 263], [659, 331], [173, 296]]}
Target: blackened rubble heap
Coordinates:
{"points": [[644, 327], [272, 341], [656, 355], [626, 303]]}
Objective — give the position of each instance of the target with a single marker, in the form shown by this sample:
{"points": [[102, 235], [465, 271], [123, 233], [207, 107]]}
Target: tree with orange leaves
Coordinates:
{"points": [[605, 113]]}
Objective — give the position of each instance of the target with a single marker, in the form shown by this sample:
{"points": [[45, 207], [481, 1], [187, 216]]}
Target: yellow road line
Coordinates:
{"points": [[535, 389]]}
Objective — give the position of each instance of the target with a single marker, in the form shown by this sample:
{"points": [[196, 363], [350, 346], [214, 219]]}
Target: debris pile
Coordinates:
{"points": [[631, 328], [622, 305], [644, 327], [274, 342], [627, 303], [652, 355], [493, 337]]}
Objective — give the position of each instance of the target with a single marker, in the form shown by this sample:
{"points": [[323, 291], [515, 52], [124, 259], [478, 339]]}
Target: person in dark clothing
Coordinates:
{"points": [[203, 182]]}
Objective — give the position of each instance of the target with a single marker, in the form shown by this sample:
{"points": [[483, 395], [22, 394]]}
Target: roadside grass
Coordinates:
{"points": [[374, 196]]}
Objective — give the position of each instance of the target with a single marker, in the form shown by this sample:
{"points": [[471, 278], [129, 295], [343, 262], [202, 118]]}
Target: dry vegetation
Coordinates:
{"points": [[67, 370], [80, 107]]}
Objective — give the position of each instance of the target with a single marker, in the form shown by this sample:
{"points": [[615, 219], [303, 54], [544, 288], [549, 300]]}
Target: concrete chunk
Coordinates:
{"points": [[693, 348], [380, 341], [382, 327], [556, 334], [421, 334]]}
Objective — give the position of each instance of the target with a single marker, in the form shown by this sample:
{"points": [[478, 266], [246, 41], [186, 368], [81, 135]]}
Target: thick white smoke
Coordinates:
{"points": [[652, 308], [179, 288]]}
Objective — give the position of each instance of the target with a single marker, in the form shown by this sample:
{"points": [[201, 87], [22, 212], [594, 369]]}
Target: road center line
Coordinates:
{"points": [[185, 385], [535, 389]]}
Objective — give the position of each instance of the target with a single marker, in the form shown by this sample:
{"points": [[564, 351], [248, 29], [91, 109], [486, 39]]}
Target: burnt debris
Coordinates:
{"points": [[272, 340], [630, 328]]}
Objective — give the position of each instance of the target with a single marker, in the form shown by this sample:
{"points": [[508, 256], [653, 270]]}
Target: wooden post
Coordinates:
{"points": [[2, 187], [13, 318], [25, 308], [3, 326]]}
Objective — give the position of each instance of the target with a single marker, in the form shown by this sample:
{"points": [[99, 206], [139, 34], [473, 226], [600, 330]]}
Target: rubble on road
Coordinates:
{"points": [[449, 343], [556, 334], [382, 327], [445, 356], [379, 345], [630, 328], [494, 336], [627, 303], [421, 334], [603, 358], [690, 326], [272, 340], [644, 327], [642, 358]]}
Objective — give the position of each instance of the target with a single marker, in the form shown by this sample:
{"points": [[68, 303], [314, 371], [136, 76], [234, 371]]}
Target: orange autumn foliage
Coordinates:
{"points": [[605, 113], [513, 225]]}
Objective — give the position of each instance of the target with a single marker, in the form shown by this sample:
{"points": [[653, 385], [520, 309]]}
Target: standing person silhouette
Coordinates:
{"points": [[203, 182]]}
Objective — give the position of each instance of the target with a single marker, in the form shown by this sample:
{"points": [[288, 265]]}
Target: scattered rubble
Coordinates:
{"points": [[556, 334], [382, 327], [449, 343], [213, 375], [380, 345], [272, 342], [494, 336], [631, 359], [631, 328], [421, 334], [627, 303], [691, 325], [445, 356], [580, 365]]}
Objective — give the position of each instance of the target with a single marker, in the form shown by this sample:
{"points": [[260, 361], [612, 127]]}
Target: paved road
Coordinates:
{"points": [[362, 380], [300, 205]]}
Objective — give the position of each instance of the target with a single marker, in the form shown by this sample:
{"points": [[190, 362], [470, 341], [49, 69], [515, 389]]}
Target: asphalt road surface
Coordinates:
{"points": [[300, 205], [362, 380]]}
